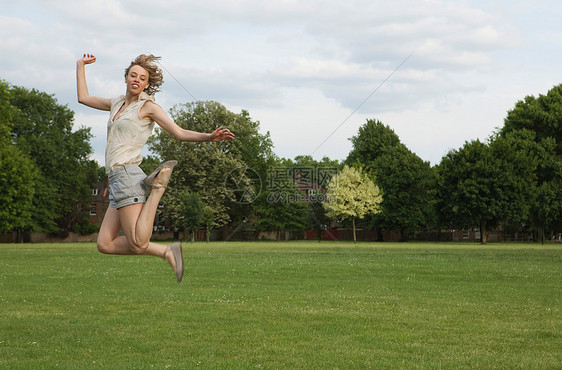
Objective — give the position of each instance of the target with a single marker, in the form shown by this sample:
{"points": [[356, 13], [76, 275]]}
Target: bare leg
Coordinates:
{"points": [[136, 221], [110, 242]]}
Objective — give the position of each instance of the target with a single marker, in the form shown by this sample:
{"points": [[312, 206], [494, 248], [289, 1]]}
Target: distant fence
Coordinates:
{"points": [[227, 233]]}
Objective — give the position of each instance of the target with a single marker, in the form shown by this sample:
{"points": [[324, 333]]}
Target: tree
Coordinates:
{"points": [[352, 195], [281, 209], [17, 179], [306, 161], [188, 214], [407, 182], [372, 140], [43, 131], [516, 154], [318, 219], [17, 172], [546, 210], [208, 220], [204, 167], [467, 194], [543, 116], [487, 184]]}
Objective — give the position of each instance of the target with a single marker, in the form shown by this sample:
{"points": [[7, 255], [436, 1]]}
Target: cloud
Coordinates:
{"points": [[303, 65]]}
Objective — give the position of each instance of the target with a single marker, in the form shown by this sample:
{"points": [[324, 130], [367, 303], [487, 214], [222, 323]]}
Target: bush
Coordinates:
{"points": [[85, 228]]}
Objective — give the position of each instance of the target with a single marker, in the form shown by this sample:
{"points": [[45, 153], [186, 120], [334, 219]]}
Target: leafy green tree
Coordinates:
{"points": [[487, 184], [208, 220], [43, 130], [372, 141], [189, 212], [546, 210], [352, 195], [543, 116], [407, 182], [318, 219], [281, 208], [516, 154], [467, 195], [306, 161], [204, 167], [17, 178], [280, 212], [7, 112], [17, 172]]}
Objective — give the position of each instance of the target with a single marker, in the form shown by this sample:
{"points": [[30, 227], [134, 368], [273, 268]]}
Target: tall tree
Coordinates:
{"points": [[485, 184], [467, 193], [543, 116], [203, 168], [516, 154], [352, 195], [546, 210], [43, 130], [281, 207], [407, 182], [17, 172], [318, 219]]}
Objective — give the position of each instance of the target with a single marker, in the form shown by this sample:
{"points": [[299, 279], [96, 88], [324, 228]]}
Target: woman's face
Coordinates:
{"points": [[137, 80]]}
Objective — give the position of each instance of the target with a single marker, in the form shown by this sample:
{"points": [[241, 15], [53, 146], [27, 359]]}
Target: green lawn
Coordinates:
{"points": [[283, 305]]}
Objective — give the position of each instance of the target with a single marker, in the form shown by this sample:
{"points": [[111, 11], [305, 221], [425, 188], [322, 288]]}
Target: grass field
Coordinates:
{"points": [[283, 305]]}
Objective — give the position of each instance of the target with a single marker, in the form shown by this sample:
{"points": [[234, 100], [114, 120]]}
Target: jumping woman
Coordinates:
{"points": [[133, 196]]}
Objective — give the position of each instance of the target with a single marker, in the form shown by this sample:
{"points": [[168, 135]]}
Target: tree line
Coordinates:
{"points": [[46, 175], [512, 180]]}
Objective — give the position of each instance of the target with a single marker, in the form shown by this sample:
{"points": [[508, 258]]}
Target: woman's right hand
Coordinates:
{"points": [[87, 59]]}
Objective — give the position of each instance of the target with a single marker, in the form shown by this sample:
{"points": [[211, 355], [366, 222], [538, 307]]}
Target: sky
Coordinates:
{"points": [[439, 73]]}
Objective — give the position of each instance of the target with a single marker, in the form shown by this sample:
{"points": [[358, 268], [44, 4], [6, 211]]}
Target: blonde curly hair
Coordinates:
{"points": [[155, 77]]}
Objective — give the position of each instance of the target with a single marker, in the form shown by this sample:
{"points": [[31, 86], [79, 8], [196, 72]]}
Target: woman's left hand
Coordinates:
{"points": [[221, 134]]}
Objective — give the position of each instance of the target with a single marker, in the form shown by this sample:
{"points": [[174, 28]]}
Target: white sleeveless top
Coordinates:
{"points": [[127, 135]]}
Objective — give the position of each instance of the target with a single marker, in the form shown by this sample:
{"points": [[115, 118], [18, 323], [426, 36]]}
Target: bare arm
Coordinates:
{"points": [[156, 113], [82, 88]]}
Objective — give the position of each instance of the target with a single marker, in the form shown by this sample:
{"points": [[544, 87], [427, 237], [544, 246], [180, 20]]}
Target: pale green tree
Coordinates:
{"points": [[352, 195]]}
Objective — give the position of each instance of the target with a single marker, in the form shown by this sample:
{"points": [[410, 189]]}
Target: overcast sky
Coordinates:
{"points": [[301, 68]]}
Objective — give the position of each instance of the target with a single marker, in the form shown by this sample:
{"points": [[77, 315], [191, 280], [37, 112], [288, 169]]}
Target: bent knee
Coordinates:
{"points": [[138, 248], [104, 247]]}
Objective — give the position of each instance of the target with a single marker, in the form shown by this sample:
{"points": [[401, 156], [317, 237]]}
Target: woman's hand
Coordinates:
{"points": [[87, 59], [221, 134], [82, 88]]}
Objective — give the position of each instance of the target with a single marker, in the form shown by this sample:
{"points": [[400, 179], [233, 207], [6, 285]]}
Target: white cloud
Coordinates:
{"points": [[298, 66]]}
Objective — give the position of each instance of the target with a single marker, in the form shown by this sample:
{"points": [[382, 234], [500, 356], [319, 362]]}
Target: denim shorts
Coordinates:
{"points": [[126, 186]]}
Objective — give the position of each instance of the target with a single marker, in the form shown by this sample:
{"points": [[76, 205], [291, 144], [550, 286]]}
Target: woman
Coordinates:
{"points": [[132, 117]]}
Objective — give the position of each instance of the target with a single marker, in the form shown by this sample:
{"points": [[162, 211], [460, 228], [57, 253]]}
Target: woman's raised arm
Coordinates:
{"points": [[82, 88]]}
